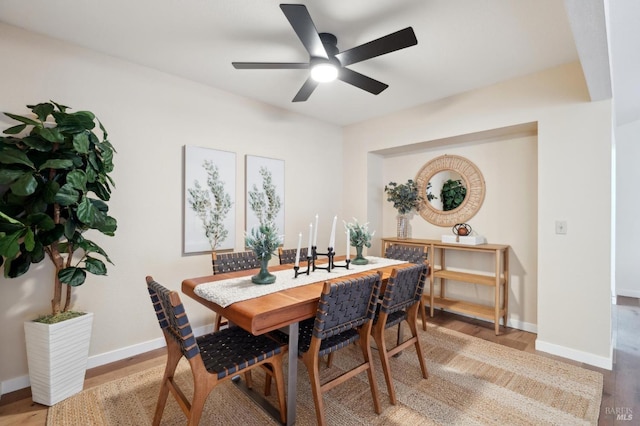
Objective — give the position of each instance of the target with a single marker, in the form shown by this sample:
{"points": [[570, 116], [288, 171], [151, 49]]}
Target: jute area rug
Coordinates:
{"points": [[471, 382]]}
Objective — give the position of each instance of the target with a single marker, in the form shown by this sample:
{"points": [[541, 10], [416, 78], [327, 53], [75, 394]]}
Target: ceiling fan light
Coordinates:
{"points": [[324, 72]]}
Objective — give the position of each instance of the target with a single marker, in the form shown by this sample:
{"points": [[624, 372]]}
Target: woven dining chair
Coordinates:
{"points": [[213, 358], [400, 302], [289, 255], [409, 253], [231, 262], [344, 315], [413, 254]]}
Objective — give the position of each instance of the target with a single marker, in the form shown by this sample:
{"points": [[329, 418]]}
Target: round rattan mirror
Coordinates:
{"points": [[472, 180]]}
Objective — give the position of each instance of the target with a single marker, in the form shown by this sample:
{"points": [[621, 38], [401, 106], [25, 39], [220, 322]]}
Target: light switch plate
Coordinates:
{"points": [[561, 226]]}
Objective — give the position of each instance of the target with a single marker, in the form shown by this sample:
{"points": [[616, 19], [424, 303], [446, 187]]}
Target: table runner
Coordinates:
{"points": [[226, 292]]}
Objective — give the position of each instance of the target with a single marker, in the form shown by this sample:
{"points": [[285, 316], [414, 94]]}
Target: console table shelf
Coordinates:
{"points": [[499, 280]]}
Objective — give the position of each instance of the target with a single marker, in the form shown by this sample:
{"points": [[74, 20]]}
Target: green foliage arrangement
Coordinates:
{"points": [[452, 194], [54, 185], [263, 240], [359, 234], [212, 206], [404, 196]]}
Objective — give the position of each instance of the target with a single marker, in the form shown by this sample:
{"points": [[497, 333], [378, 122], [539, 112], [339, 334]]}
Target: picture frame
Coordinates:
{"points": [[203, 231], [254, 180]]}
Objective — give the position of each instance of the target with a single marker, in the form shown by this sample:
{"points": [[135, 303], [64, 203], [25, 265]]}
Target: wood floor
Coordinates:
{"points": [[620, 400]]}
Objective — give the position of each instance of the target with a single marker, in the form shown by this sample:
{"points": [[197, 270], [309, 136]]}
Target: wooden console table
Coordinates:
{"points": [[499, 280]]}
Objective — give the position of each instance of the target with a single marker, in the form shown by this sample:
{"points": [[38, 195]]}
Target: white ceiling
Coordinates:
{"points": [[462, 45]]}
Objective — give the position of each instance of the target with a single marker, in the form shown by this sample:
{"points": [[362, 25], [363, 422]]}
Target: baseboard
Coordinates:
{"points": [[520, 325], [575, 355], [628, 293], [98, 360]]}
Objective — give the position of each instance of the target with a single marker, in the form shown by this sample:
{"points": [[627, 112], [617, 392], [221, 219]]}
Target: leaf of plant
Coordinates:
{"points": [[37, 143], [58, 164], [10, 244], [51, 134], [72, 276], [87, 213], [91, 247], [37, 254], [81, 142], [69, 228], [15, 129], [77, 179], [41, 220], [8, 176], [48, 237], [42, 110], [22, 119], [95, 266], [29, 240], [18, 266], [67, 195], [61, 107], [49, 191], [24, 186], [15, 156]]}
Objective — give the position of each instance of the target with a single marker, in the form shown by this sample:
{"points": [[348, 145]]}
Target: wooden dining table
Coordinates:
{"points": [[282, 309]]}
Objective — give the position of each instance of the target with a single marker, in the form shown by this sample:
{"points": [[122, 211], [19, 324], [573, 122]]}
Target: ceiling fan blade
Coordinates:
{"points": [[270, 65], [361, 81], [302, 24], [306, 90], [389, 43]]}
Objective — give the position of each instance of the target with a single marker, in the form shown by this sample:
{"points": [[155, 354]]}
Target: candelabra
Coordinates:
{"points": [[312, 266], [305, 271], [314, 256]]}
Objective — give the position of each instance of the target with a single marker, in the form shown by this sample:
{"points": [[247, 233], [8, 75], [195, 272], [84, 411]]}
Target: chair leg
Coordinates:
{"points": [[311, 362], [411, 319], [378, 335], [329, 359], [277, 371], [365, 332], [174, 354], [218, 322], [423, 314], [200, 393]]}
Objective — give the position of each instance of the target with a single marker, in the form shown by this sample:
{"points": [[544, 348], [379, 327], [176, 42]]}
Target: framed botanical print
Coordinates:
{"points": [[264, 185], [209, 200]]}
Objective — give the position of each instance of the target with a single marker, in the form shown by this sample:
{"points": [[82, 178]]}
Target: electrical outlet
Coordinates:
{"points": [[561, 226]]}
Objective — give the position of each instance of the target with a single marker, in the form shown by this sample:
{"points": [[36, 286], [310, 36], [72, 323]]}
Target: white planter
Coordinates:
{"points": [[57, 355]]}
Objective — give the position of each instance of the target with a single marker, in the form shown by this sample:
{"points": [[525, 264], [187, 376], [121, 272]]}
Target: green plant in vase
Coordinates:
{"points": [[405, 198], [359, 237], [264, 241]]}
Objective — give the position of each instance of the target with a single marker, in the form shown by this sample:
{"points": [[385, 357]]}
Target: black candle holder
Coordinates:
{"points": [[297, 270], [346, 264], [314, 256]]}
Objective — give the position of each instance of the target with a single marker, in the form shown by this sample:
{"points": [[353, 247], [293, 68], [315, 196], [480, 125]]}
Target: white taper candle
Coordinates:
{"points": [[298, 251]]}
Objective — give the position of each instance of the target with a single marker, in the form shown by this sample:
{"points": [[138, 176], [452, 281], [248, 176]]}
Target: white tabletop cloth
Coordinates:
{"points": [[226, 292]]}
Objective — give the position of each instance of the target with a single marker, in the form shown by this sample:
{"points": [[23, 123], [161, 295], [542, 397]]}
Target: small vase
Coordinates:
{"points": [[359, 260], [403, 226], [264, 277]]}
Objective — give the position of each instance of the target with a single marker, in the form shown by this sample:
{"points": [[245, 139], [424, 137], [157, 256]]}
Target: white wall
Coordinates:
{"points": [[628, 209], [574, 157], [150, 116]]}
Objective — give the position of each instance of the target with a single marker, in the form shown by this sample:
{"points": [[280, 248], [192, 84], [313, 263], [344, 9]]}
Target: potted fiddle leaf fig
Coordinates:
{"points": [[54, 186]]}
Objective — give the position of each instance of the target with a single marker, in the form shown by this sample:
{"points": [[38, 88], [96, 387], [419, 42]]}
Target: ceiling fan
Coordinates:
{"points": [[326, 63]]}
